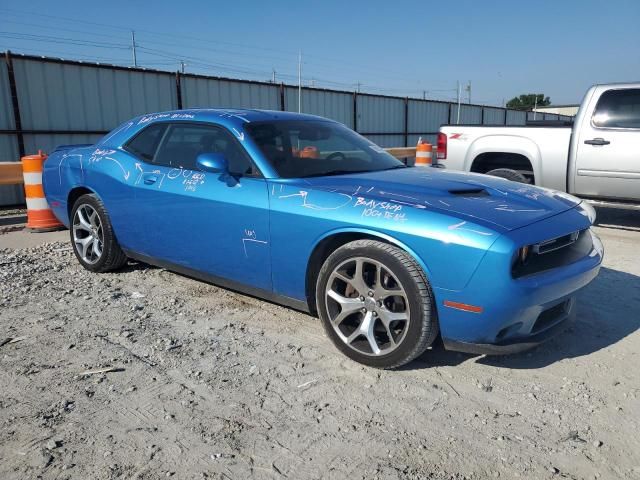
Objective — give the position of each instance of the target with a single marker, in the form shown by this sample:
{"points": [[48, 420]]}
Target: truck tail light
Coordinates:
{"points": [[442, 146]]}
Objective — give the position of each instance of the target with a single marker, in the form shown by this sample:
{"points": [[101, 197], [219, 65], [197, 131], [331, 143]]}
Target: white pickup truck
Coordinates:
{"points": [[597, 157]]}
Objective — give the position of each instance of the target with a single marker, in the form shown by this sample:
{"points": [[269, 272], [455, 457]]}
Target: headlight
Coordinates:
{"points": [[523, 254]]}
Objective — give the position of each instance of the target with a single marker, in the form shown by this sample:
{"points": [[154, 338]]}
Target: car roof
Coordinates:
{"points": [[230, 115]]}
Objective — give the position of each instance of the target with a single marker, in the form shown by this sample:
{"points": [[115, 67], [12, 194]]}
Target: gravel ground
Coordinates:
{"points": [[207, 383]]}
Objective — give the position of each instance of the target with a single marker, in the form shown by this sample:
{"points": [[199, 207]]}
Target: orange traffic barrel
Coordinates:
{"points": [[40, 218], [424, 152]]}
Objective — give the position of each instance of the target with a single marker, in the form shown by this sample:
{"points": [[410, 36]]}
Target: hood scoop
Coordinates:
{"points": [[469, 192]]}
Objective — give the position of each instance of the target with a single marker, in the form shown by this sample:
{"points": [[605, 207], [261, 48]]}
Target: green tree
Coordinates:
{"points": [[528, 101]]}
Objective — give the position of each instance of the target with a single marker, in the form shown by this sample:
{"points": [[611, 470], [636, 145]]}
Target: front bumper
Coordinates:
{"points": [[513, 345], [517, 314]]}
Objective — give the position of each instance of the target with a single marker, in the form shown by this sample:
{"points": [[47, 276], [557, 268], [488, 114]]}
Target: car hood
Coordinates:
{"points": [[483, 199]]}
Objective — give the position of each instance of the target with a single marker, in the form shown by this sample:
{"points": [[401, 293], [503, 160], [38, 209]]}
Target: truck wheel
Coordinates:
{"points": [[92, 237], [376, 304], [508, 174]]}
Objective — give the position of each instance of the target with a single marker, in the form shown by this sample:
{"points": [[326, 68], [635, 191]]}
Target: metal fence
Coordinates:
{"points": [[539, 116], [45, 102]]}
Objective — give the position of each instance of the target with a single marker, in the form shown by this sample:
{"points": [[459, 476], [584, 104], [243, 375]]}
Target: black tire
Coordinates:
{"points": [[508, 174], [112, 257], [422, 328]]}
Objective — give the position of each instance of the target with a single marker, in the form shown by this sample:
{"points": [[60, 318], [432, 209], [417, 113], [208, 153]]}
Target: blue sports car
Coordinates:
{"points": [[302, 211]]}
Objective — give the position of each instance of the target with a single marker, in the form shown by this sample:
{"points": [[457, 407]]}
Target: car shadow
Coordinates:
{"points": [[135, 265], [608, 310]]}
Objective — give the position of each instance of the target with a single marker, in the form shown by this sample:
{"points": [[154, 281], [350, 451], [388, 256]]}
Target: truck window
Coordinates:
{"points": [[618, 109]]}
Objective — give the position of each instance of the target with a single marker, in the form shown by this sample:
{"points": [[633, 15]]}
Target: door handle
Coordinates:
{"points": [[597, 141], [150, 180]]}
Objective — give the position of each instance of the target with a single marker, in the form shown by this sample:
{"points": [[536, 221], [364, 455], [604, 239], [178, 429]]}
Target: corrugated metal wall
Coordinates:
{"points": [[379, 114], [66, 102], [515, 117], [539, 116], [469, 114], [57, 96], [334, 105], [214, 93], [493, 116], [9, 194], [426, 117]]}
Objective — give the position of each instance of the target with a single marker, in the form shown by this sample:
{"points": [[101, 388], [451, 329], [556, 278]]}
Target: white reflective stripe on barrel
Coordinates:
{"points": [[32, 178], [37, 204]]}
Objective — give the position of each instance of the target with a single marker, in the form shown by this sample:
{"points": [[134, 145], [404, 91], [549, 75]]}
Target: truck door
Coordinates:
{"points": [[608, 147]]}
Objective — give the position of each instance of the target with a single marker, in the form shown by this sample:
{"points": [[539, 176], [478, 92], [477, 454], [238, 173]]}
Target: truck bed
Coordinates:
{"points": [[467, 144]]}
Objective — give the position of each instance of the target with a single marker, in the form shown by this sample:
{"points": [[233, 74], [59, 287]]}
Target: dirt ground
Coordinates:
{"points": [[213, 384]]}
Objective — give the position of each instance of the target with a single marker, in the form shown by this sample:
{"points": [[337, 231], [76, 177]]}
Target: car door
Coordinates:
{"points": [[608, 149], [217, 224]]}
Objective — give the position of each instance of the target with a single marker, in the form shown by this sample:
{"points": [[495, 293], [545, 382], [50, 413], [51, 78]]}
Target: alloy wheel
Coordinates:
{"points": [[368, 306], [88, 235]]}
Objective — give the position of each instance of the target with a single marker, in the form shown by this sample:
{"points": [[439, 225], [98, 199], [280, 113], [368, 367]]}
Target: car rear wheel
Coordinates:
{"points": [[92, 237], [508, 174], [376, 304]]}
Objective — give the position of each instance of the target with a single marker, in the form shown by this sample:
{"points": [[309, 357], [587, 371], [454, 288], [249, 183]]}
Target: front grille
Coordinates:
{"points": [[554, 253], [555, 243]]}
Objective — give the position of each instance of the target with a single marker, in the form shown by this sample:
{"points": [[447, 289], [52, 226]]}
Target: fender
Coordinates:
{"points": [[508, 144], [381, 236]]}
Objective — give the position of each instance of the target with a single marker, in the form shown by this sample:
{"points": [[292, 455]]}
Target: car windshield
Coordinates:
{"points": [[316, 148]]}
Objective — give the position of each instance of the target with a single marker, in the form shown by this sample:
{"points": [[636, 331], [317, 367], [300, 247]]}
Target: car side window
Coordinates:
{"points": [[618, 109], [145, 143], [183, 143]]}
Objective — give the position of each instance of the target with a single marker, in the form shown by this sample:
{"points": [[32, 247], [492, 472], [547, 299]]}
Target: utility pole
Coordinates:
{"points": [[182, 66], [535, 106], [459, 94], [133, 48], [424, 94], [468, 89], [300, 81], [358, 85], [273, 75]]}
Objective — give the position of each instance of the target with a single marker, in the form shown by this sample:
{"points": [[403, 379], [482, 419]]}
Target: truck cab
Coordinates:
{"points": [[605, 149]]}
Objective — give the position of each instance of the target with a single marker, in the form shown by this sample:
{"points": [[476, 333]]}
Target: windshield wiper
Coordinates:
{"points": [[393, 168]]}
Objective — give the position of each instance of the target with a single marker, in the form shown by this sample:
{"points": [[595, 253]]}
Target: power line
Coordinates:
{"points": [[206, 64], [345, 65]]}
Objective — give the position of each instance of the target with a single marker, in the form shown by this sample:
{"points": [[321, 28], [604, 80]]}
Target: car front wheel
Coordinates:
{"points": [[376, 304]]}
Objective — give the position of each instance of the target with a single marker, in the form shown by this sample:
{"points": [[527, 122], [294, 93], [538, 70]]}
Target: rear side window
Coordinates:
{"points": [[183, 143], [618, 109], [145, 144]]}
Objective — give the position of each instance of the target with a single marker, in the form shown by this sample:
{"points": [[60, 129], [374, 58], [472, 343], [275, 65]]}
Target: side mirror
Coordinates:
{"points": [[212, 162]]}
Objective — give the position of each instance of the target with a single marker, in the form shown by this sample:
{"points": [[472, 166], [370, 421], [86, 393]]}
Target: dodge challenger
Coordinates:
{"points": [[302, 211]]}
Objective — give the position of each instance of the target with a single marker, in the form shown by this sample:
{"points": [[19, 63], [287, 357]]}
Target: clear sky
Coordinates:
{"points": [[504, 48]]}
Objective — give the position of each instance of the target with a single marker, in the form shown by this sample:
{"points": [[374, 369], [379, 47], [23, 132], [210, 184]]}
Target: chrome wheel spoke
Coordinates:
{"points": [[367, 329], [85, 243], [347, 305], [357, 281], [94, 220], [387, 317], [83, 222], [380, 290], [97, 248]]}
